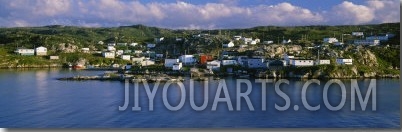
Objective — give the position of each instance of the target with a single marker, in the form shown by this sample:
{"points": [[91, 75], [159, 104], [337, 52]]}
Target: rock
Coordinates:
{"points": [[67, 48]]}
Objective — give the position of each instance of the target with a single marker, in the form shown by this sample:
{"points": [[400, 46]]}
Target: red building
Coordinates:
{"points": [[205, 58]]}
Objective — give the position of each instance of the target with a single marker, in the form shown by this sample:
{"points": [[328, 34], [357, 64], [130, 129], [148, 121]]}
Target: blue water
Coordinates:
{"points": [[35, 99]]}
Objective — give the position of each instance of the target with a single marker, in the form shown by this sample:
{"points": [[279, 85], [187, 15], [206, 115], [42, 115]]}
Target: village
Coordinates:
{"points": [[238, 55]]}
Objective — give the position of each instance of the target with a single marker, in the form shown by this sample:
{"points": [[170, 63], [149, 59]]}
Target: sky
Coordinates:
{"points": [[196, 14]]}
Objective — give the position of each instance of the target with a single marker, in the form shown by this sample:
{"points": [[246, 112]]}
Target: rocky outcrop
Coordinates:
{"points": [[67, 48]]}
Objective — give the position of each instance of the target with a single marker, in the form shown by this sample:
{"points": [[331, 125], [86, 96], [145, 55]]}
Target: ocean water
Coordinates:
{"points": [[34, 98]]}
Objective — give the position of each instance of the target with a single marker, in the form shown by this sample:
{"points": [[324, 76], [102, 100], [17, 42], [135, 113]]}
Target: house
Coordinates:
{"points": [[342, 61], [228, 45], [301, 62], [214, 65], [367, 42], [111, 44], [205, 58], [41, 51], [247, 40], [330, 40], [381, 38], [229, 62], [127, 51], [286, 41], [128, 66], [253, 42], [108, 54], [242, 61], [255, 63], [177, 66], [85, 50], [268, 42], [53, 57], [229, 54], [111, 48], [125, 57], [357, 34], [237, 37], [187, 59], [147, 62], [149, 45], [170, 62], [338, 44], [133, 44], [322, 62], [119, 52], [179, 39], [138, 59], [25, 51], [158, 40]]}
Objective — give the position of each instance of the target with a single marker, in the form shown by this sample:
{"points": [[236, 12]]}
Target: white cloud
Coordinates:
{"points": [[225, 14]]}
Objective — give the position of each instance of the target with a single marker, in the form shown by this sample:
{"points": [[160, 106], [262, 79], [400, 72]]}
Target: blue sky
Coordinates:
{"points": [[195, 14]]}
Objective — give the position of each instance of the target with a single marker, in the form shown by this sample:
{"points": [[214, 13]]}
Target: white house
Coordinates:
{"points": [[157, 40], [111, 44], [25, 51], [323, 62], [213, 65], [151, 45], [138, 59], [301, 62], [170, 62], [268, 42], [256, 63], [367, 42], [237, 37], [125, 57], [342, 61], [357, 33], [85, 50], [330, 40], [119, 52], [108, 54], [121, 44], [41, 51], [228, 45], [229, 62], [147, 62], [187, 59], [247, 40], [177, 66], [133, 44], [111, 48], [286, 41], [253, 42], [143, 61]]}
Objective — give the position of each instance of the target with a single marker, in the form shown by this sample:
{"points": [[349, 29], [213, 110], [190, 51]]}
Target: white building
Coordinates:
{"points": [[253, 42], [111, 44], [122, 44], [157, 40], [229, 62], [228, 45], [170, 62], [323, 62], [342, 61], [187, 59], [367, 42], [138, 59], [247, 40], [125, 57], [133, 44], [268, 42], [214, 65], [111, 48], [237, 37], [147, 62], [85, 50], [177, 66], [330, 40], [301, 62], [25, 51], [357, 33], [41, 51], [119, 52], [256, 63], [108, 54]]}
